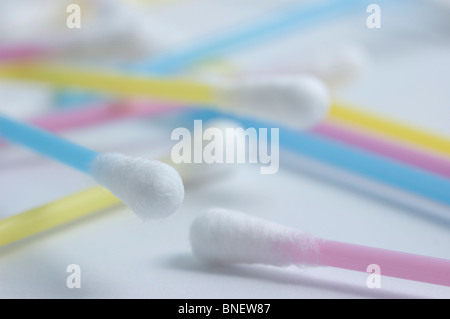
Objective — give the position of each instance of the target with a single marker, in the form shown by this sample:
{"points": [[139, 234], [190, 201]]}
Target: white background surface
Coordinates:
{"points": [[122, 257]]}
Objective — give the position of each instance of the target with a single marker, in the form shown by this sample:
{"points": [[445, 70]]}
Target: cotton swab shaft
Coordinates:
{"points": [[66, 120], [275, 24], [187, 91], [22, 52], [390, 128], [352, 160], [226, 236], [392, 263], [397, 151], [92, 200], [151, 188], [112, 82], [300, 101], [47, 144], [55, 214], [95, 114]]}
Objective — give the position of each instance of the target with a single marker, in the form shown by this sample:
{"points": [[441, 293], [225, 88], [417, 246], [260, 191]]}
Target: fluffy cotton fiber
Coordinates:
{"points": [[295, 101], [225, 236], [150, 188]]}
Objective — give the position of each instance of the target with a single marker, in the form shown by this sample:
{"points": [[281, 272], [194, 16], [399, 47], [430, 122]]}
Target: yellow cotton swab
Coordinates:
{"points": [[297, 101], [248, 98], [390, 128], [56, 213], [353, 59]]}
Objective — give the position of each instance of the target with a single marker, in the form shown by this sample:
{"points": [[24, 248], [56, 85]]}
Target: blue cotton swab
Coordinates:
{"points": [[150, 188], [275, 24], [375, 168], [269, 27]]}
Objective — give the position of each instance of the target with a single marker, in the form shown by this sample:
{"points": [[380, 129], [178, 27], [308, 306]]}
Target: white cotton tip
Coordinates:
{"points": [[197, 173], [150, 188], [225, 236], [295, 101]]}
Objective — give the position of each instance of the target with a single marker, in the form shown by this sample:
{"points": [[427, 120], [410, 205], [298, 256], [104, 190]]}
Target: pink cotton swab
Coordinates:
{"points": [[223, 236]]}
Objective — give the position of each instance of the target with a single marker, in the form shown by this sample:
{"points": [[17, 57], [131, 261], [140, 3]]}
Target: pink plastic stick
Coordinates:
{"points": [[66, 120], [22, 52], [393, 264], [92, 115], [396, 151]]}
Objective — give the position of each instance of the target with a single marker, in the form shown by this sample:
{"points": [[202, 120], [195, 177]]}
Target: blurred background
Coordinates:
{"points": [[400, 71]]}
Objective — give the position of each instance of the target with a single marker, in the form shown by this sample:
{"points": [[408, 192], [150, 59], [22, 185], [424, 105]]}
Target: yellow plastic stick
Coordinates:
{"points": [[61, 211], [187, 91], [56, 213], [390, 128], [112, 82]]}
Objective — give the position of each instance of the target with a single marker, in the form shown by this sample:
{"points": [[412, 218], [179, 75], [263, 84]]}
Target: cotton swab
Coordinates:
{"points": [[226, 237], [151, 189], [368, 166], [364, 164], [335, 66], [203, 94], [301, 101], [96, 199], [274, 25]]}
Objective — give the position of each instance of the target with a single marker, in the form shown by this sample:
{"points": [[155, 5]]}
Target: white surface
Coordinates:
{"points": [[123, 257]]}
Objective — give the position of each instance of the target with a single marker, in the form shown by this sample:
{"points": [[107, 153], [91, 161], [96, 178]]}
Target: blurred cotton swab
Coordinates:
{"points": [[263, 29], [248, 97], [367, 166], [298, 101], [152, 189], [105, 23], [335, 66], [276, 24], [226, 237]]}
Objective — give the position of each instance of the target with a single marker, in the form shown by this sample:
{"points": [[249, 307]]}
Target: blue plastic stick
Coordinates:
{"points": [[269, 27], [47, 144], [363, 163], [273, 25], [337, 154]]}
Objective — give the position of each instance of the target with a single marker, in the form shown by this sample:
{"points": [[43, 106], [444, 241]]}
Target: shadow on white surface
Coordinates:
{"points": [[188, 263]]}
